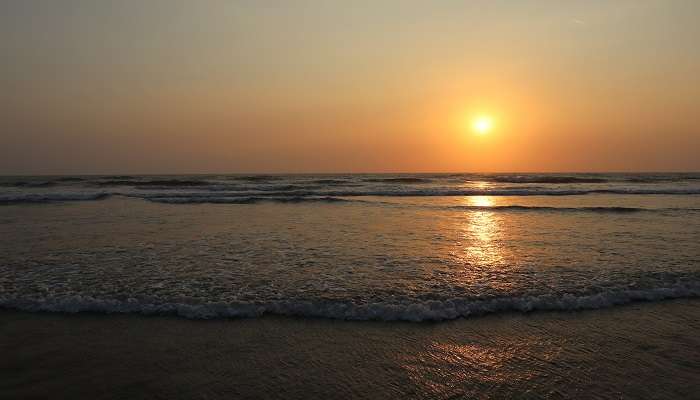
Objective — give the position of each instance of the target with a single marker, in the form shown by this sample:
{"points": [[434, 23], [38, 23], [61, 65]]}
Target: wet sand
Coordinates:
{"points": [[644, 350]]}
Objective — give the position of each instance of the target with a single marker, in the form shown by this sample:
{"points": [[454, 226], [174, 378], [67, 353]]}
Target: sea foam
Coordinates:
{"points": [[416, 311]]}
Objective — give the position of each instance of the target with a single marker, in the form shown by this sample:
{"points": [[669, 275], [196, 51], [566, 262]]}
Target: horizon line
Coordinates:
{"points": [[359, 173]]}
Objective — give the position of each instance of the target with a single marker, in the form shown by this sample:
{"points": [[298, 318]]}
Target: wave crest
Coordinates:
{"points": [[51, 198], [433, 310], [245, 200], [545, 179]]}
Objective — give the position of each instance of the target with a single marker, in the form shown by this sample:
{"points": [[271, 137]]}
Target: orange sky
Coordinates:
{"points": [[317, 86]]}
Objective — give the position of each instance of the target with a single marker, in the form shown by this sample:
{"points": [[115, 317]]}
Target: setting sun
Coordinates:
{"points": [[482, 124]]}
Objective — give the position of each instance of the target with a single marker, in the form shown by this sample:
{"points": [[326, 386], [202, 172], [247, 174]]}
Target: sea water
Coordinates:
{"points": [[410, 247]]}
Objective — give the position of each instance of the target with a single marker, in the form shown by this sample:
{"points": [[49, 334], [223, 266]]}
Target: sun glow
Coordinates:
{"points": [[482, 124], [481, 201]]}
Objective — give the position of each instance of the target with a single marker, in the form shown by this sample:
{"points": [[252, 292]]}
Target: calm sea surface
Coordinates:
{"points": [[381, 247]]}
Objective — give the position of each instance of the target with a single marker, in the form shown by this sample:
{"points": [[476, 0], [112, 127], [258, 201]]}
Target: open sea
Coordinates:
{"points": [[388, 247]]}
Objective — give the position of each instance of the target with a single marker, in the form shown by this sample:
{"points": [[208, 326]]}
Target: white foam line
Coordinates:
{"points": [[434, 310]]}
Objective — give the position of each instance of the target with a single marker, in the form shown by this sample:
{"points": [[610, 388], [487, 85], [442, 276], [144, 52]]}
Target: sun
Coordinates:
{"points": [[482, 124]]}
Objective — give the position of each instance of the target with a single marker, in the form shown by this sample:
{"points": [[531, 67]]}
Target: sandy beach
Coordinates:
{"points": [[644, 350]]}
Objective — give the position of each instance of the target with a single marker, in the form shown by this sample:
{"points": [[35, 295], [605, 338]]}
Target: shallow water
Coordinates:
{"points": [[640, 351], [386, 247]]}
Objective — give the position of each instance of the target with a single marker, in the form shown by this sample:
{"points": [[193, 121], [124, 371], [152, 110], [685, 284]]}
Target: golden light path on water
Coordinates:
{"points": [[448, 369], [481, 247], [446, 365], [481, 234], [482, 230]]}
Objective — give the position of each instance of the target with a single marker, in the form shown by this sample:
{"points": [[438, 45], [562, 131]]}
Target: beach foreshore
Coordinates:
{"points": [[643, 350]]}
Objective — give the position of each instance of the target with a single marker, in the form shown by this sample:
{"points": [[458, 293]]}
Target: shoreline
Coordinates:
{"points": [[638, 350]]}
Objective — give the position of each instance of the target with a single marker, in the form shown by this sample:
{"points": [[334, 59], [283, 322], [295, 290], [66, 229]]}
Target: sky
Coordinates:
{"points": [[177, 86]]}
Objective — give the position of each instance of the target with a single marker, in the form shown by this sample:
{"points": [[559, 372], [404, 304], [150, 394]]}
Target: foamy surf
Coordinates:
{"points": [[417, 311], [356, 247]]}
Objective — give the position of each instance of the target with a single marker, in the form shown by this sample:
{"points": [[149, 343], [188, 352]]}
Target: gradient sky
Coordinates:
{"points": [[328, 86]]}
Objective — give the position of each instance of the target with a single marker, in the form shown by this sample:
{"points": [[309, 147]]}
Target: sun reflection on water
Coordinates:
{"points": [[453, 369], [481, 201], [481, 248], [481, 233]]}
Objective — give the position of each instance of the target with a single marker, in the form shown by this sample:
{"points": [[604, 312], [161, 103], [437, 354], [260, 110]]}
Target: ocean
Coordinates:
{"points": [[372, 286], [387, 247]]}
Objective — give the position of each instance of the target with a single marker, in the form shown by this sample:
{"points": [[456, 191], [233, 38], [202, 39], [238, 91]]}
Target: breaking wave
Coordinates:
{"points": [[433, 310], [51, 198]]}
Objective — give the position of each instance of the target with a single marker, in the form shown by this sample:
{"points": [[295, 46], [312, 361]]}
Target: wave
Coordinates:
{"points": [[295, 190], [544, 179], [333, 182], [285, 188], [661, 178], [398, 180], [634, 182], [168, 182], [69, 179], [579, 178], [256, 178], [25, 184], [299, 195], [119, 177], [620, 210], [245, 200], [329, 199], [51, 198], [432, 310]]}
